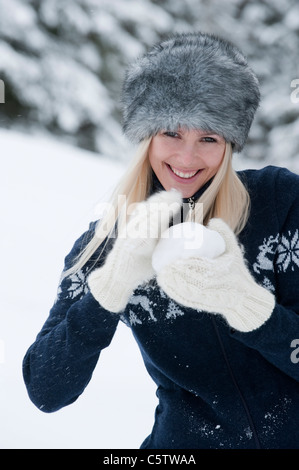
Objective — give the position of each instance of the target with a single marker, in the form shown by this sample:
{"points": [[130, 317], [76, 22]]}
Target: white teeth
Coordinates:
{"points": [[181, 174]]}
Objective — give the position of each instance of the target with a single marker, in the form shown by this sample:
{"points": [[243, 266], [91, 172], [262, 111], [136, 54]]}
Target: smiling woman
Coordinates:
{"points": [[208, 327], [186, 159]]}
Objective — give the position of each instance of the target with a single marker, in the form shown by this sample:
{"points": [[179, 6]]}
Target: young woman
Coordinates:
{"points": [[218, 335]]}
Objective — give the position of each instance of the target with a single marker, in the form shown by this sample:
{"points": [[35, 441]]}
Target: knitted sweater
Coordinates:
{"points": [[217, 387]]}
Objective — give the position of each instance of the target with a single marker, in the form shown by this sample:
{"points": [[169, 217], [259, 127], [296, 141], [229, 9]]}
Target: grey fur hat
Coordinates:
{"points": [[192, 81]]}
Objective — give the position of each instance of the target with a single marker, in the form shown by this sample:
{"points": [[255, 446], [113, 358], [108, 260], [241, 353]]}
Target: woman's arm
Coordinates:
{"points": [[59, 364], [275, 339]]}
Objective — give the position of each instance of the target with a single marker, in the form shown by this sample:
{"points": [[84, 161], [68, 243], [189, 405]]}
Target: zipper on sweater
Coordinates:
{"points": [[251, 424]]}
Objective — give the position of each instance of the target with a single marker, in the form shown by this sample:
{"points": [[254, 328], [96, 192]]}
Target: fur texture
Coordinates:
{"points": [[195, 81]]}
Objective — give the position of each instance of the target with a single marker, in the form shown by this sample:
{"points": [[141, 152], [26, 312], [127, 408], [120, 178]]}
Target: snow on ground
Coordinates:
{"points": [[49, 193]]}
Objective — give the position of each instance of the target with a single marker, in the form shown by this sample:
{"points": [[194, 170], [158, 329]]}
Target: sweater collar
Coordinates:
{"points": [[157, 186]]}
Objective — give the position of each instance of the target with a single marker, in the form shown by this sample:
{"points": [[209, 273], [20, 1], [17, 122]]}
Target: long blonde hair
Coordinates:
{"points": [[226, 198]]}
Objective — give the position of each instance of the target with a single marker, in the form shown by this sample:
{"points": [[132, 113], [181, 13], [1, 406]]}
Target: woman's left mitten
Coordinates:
{"points": [[222, 285]]}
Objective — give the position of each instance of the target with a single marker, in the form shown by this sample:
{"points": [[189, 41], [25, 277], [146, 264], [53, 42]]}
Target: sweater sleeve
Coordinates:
{"points": [[277, 338], [59, 364]]}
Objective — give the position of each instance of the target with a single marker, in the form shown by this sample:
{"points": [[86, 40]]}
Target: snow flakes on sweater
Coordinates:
{"points": [[276, 417]]}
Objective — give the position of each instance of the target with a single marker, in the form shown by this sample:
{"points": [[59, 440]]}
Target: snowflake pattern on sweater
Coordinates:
{"points": [[73, 286], [288, 252], [280, 252], [144, 313]]}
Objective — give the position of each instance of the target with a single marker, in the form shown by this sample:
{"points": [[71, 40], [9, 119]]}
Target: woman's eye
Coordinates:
{"points": [[209, 139], [171, 134]]}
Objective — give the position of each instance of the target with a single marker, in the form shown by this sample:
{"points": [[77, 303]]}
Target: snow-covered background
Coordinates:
{"points": [[62, 151], [63, 63]]}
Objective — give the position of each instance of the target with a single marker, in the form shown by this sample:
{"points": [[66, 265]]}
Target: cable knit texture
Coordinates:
{"points": [[221, 285], [130, 261]]}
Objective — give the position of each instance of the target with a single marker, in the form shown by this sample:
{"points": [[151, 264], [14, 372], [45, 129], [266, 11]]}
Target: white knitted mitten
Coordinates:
{"points": [[222, 285], [128, 264]]}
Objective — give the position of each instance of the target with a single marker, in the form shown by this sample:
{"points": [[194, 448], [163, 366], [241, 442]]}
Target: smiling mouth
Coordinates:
{"points": [[183, 174]]}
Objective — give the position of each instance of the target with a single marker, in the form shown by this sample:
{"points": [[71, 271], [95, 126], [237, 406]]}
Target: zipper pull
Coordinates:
{"points": [[191, 203]]}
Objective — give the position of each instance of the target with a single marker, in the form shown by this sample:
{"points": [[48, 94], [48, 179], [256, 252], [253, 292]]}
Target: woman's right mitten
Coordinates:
{"points": [[129, 263]]}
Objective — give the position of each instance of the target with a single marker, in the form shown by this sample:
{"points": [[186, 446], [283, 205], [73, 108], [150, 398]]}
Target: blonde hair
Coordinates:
{"points": [[226, 198]]}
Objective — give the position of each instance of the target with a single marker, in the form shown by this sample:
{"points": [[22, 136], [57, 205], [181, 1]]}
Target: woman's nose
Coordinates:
{"points": [[188, 155]]}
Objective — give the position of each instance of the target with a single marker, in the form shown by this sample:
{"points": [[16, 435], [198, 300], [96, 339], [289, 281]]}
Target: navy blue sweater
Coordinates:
{"points": [[217, 387]]}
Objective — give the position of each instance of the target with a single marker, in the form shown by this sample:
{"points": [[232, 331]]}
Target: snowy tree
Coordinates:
{"points": [[63, 62]]}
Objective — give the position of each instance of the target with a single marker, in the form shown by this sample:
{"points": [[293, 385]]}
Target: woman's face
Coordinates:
{"points": [[186, 160]]}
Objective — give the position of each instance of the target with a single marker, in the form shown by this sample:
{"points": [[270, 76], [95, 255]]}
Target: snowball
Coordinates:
{"points": [[186, 240]]}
